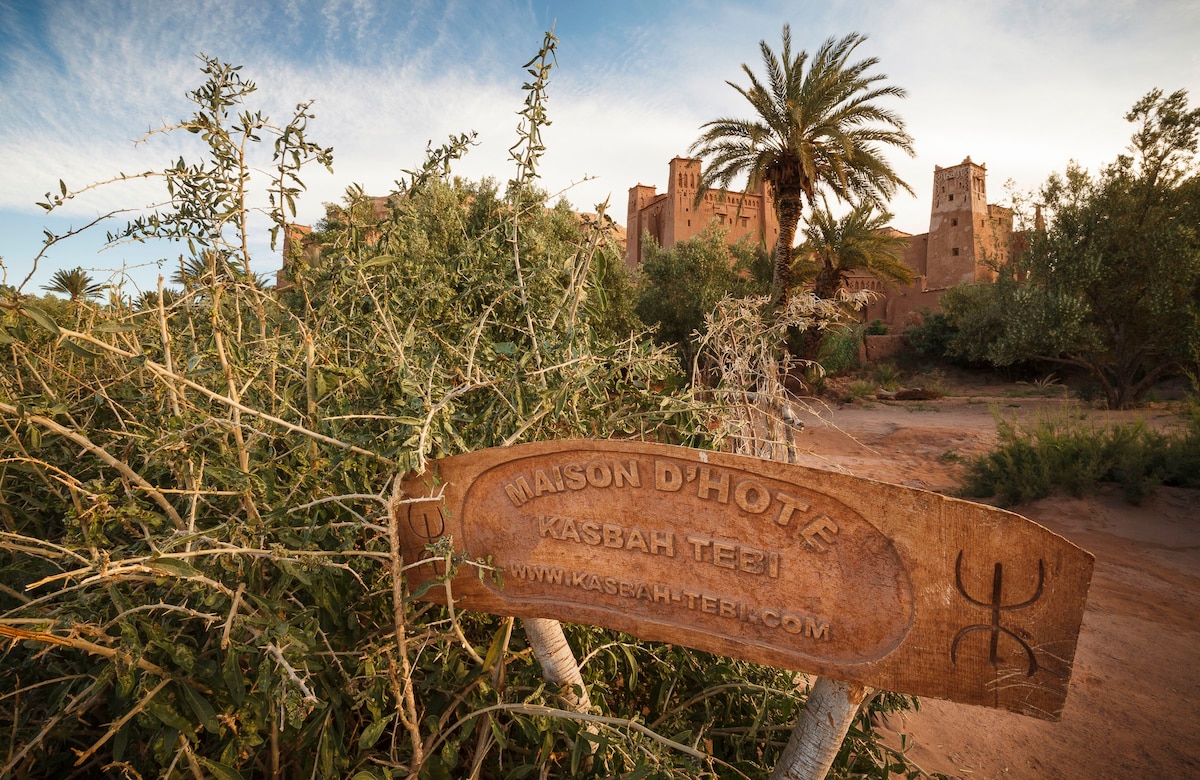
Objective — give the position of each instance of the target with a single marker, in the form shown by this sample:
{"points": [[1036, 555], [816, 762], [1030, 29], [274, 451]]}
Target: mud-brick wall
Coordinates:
{"points": [[883, 347]]}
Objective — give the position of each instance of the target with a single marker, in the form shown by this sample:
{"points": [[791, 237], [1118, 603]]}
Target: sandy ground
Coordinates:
{"points": [[1133, 710]]}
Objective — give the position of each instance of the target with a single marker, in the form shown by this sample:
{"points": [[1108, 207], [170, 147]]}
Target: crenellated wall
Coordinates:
{"points": [[676, 216]]}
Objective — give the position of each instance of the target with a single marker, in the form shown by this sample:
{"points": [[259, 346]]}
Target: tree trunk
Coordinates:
{"points": [[825, 286], [817, 737], [789, 207], [550, 648], [828, 282]]}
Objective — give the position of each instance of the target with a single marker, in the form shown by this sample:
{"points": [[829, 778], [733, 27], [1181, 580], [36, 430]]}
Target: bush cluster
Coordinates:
{"points": [[1064, 454]]}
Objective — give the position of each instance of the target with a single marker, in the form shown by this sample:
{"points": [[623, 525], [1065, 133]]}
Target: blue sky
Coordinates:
{"points": [[1021, 85]]}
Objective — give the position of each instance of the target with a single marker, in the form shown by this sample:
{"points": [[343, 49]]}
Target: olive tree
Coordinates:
{"points": [[678, 287], [1112, 285]]}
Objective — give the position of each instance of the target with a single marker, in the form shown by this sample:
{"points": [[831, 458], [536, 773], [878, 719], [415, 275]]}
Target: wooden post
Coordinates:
{"points": [[831, 705], [817, 737], [550, 648]]}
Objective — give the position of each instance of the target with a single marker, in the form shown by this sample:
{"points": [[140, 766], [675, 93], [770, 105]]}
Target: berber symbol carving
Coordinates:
{"points": [[997, 606]]}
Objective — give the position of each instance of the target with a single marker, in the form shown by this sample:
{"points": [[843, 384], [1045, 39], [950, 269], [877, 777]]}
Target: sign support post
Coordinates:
{"points": [[827, 715]]}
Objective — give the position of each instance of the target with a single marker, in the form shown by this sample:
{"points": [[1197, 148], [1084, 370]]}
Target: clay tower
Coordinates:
{"points": [[966, 235]]}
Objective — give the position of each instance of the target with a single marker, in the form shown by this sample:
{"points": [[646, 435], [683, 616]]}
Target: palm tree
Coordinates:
{"points": [[860, 240], [818, 129], [210, 268], [76, 284], [148, 300]]}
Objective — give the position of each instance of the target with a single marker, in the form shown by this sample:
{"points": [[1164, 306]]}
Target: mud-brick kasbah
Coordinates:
{"points": [[966, 237]]}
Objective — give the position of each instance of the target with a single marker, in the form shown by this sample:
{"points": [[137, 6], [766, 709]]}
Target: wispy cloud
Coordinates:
{"points": [[1022, 85]]}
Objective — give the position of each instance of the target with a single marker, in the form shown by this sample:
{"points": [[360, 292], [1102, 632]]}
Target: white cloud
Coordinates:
{"points": [[1021, 85]]}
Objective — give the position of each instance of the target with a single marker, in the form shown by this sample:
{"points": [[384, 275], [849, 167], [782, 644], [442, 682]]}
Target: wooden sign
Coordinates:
{"points": [[781, 565]]}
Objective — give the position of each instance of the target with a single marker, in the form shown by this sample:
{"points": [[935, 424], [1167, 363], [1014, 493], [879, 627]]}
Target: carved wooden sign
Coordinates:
{"points": [[776, 564]]}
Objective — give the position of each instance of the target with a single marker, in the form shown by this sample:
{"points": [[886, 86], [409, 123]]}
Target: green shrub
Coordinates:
{"points": [[679, 286], [886, 375], [931, 337], [1062, 453], [839, 349], [859, 389]]}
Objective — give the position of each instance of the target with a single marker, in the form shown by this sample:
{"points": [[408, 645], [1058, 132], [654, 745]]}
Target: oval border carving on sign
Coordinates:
{"points": [[691, 547]]}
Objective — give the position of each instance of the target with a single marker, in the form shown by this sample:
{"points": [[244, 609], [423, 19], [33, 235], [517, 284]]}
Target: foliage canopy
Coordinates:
{"points": [[860, 240], [679, 286], [818, 129], [1112, 285], [75, 283]]}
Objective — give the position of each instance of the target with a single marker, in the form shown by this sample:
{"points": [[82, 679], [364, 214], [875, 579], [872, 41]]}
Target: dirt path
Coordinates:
{"points": [[1133, 710]]}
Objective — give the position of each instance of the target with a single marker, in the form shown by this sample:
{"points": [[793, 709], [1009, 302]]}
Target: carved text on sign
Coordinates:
{"points": [[593, 525]]}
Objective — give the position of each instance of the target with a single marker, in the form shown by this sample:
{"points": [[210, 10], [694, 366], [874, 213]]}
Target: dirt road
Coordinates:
{"points": [[1133, 710]]}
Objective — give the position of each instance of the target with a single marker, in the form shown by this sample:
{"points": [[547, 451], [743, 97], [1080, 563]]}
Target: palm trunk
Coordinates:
{"points": [[828, 282], [789, 208], [826, 286]]}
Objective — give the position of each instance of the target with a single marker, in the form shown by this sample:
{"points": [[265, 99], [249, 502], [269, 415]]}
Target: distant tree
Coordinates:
{"points": [[148, 300], [198, 273], [833, 247], [612, 300], [971, 324], [75, 283], [349, 225], [1113, 284], [818, 129], [679, 286]]}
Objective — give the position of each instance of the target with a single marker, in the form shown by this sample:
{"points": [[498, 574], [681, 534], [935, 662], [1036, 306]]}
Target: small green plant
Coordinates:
{"points": [[839, 349], [860, 389], [887, 375], [816, 381], [1047, 386], [877, 328], [933, 380], [1046, 382]]}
